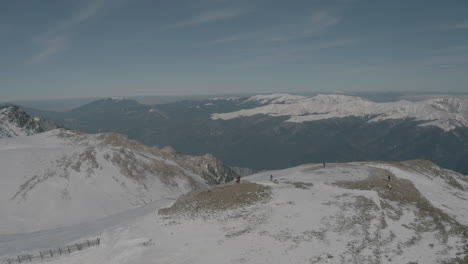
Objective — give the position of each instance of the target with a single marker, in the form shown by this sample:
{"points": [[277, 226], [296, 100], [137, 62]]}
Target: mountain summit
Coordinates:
{"points": [[15, 122]]}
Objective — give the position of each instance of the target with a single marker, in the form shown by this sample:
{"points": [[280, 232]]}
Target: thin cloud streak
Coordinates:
{"points": [[291, 53], [228, 39], [80, 16], [52, 46], [56, 40], [208, 17], [461, 25], [462, 50], [314, 25]]}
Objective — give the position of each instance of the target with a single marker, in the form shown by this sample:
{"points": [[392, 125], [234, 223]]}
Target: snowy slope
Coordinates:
{"points": [[446, 113], [343, 213], [61, 177], [15, 122]]}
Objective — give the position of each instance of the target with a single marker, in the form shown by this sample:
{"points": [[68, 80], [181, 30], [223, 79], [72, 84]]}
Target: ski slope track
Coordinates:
{"points": [[341, 213], [446, 113], [61, 178]]}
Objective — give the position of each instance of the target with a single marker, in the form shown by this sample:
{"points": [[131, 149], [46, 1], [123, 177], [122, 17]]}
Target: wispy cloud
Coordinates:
{"points": [[461, 49], [326, 45], [80, 16], [460, 25], [208, 17], [290, 53], [228, 39], [56, 39], [285, 42], [51, 46], [315, 24]]}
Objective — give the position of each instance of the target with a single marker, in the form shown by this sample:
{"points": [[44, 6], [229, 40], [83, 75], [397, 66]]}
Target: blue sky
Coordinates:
{"points": [[69, 48]]}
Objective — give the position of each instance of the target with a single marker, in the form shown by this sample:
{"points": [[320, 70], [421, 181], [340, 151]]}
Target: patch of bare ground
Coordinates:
{"points": [[219, 198], [317, 166], [432, 171], [300, 185], [404, 193]]}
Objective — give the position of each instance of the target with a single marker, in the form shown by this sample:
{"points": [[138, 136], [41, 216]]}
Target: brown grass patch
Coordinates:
{"points": [[219, 198]]}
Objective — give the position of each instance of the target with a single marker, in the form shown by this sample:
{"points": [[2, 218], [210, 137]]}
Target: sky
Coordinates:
{"points": [[52, 49]]}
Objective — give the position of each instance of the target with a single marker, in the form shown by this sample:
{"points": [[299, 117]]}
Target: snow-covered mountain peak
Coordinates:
{"points": [[274, 98], [15, 122], [118, 99], [453, 105], [446, 113], [336, 98]]}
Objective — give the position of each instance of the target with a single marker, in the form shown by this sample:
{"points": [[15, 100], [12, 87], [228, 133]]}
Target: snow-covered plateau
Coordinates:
{"points": [[446, 113], [340, 213]]}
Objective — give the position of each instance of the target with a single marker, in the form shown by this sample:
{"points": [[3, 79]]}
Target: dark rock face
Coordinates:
{"points": [[266, 142], [14, 121]]}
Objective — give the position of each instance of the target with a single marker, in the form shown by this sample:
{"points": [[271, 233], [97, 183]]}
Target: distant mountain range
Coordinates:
{"points": [[280, 130]]}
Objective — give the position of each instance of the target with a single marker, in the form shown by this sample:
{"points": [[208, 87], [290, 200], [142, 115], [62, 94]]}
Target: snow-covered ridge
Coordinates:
{"points": [[15, 122], [118, 99], [275, 98], [61, 177], [231, 98], [446, 113]]}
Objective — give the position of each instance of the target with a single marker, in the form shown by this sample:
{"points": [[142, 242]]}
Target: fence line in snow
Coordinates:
{"points": [[51, 253]]}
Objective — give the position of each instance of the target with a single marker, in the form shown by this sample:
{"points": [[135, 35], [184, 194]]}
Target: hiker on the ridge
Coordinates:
{"points": [[238, 179], [324, 164], [389, 178], [271, 177]]}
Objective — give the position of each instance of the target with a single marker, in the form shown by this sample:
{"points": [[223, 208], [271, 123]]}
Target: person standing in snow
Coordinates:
{"points": [[389, 177], [238, 179], [271, 177]]}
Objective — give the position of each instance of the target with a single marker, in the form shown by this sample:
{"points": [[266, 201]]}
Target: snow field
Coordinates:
{"points": [[314, 222]]}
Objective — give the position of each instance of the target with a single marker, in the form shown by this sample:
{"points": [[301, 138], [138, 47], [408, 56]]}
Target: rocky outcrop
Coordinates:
{"points": [[15, 122]]}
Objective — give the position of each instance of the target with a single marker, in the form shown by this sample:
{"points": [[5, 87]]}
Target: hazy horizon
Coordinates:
{"points": [[66, 104]]}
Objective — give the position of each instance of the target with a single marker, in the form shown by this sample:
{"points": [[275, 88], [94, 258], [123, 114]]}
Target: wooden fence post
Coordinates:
{"points": [[79, 246]]}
